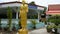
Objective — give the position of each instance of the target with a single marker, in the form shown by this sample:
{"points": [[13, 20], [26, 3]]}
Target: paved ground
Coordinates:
{"points": [[39, 31]]}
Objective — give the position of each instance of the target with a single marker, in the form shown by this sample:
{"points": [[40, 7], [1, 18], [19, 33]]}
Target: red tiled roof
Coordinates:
{"points": [[54, 7], [53, 12]]}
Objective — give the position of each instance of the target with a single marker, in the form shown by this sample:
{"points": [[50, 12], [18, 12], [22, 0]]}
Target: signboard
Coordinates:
{"points": [[32, 6]]}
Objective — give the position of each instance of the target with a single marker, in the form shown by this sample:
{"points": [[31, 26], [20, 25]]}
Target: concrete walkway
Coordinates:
{"points": [[39, 31]]}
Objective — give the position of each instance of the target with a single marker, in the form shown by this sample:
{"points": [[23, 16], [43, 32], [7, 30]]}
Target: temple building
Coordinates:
{"points": [[34, 11], [53, 9]]}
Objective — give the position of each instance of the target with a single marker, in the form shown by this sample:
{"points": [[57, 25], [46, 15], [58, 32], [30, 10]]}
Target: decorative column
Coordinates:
{"points": [[17, 15], [23, 18], [38, 16]]}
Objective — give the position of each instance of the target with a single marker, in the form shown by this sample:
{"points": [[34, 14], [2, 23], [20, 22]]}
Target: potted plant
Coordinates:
{"points": [[48, 28], [56, 20], [34, 23]]}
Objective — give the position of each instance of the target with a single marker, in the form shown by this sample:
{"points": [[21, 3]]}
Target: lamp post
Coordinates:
{"points": [[23, 18]]}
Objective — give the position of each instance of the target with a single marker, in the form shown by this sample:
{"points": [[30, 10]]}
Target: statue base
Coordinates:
{"points": [[23, 31]]}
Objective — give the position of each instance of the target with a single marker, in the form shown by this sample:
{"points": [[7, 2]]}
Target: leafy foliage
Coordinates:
{"points": [[44, 9], [32, 3], [54, 19], [9, 15], [34, 23]]}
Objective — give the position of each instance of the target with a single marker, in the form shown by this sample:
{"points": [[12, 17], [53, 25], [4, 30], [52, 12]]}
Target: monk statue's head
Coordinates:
{"points": [[23, 1]]}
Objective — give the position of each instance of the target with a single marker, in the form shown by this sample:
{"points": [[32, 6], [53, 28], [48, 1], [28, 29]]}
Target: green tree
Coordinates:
{"points": [[32, 3], [44, 9], [9, 15], [54, 19]]}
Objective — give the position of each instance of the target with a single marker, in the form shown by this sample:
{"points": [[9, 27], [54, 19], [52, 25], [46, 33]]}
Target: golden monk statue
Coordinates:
{"points": [[23, 17], [23, 13]]}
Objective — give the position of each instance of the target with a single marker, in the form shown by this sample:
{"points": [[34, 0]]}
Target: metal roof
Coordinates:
{"points": [[17, 2]]}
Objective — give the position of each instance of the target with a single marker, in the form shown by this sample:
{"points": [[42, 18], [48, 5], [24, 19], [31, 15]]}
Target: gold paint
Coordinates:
{"points": [[23, 17]]}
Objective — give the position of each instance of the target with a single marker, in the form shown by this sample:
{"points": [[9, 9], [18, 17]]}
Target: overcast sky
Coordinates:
{"points": [[38, 2]]}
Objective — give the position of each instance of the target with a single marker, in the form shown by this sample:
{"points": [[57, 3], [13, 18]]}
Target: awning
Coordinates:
{"points": [[57, 12]]}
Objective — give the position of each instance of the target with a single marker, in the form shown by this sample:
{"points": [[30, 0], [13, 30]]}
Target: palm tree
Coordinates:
{"points": [[9, 15]]}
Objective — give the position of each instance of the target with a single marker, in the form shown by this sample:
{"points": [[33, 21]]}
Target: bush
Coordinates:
{"points": [[50, 27], [34, 23], [54, 19]]}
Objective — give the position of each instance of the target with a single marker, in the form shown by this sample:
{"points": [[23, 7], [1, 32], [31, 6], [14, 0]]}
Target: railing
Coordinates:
{"points": [[4, 23]]}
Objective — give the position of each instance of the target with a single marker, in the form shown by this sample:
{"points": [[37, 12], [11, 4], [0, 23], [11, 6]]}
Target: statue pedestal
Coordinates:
{"points": [[23, 31]]}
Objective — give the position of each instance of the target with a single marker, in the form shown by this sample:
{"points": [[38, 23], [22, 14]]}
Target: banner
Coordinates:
{"points": [[32, 6]]}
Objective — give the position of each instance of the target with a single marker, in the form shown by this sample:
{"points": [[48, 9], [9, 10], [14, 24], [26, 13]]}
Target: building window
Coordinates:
{"points": [[3, 13], [14, 15], [3, 16], [32, 14]]}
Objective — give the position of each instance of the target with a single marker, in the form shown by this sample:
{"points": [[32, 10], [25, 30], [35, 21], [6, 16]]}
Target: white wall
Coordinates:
{"points": [[40, 8], [5, 21], [10, 5]]}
